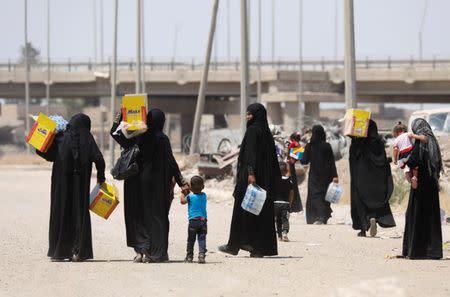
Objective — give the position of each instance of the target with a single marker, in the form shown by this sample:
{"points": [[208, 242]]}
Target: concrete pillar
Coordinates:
{"points": [[312, 110], [275, 113], [186, 122], [290, 117]]}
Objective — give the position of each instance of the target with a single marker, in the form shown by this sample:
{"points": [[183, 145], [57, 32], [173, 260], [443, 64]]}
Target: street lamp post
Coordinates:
{"points": [[350, 71]]}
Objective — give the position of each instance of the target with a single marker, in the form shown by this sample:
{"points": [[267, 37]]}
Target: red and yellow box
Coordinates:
{"points": [[134, 111], [356, 122], [103, 200], [42, 133]]}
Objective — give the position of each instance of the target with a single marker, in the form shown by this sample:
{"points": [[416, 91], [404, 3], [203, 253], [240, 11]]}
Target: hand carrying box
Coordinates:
{"points": [[134, 111], [42, 133], [103, 200], [356, 122]]}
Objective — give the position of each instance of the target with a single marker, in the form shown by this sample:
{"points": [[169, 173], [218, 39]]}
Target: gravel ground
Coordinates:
{"points": [[319, 260]]}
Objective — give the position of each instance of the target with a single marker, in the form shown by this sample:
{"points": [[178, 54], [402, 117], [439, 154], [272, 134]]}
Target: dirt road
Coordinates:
{"points": [[319, 260]]}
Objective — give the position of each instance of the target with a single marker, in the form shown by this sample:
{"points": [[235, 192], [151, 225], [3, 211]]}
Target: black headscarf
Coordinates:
{"points": [[318, 135], [155, 120], [78, 140], [430, 149], [259, 116]]}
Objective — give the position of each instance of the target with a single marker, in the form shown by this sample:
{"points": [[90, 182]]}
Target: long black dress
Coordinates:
{"points": [[423, 234], [321, 173], [371, 181], [249, 232], [147, 196], [72, 154]]}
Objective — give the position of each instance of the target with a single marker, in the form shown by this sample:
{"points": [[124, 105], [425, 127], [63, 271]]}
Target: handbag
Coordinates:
{"points": [[126, 166]]}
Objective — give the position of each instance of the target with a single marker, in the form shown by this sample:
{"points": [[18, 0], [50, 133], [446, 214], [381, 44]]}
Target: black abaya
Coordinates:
{"points": [[72, 154], [249, 232], [423, 233], [322, 170], [371, 181], [297, 202], [148, 195]]}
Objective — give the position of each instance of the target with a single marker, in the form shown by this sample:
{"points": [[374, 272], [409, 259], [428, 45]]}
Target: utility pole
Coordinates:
{"points": [[244, 64], [336, 25], [144, 87], [138, 47], [422, 23], [350, 71], [27, 75], [300, 113], [113, 79], [101, 33], [94, 11], [273, 33], [228, 31], [47, 85], [201, 94], [259, 87]]}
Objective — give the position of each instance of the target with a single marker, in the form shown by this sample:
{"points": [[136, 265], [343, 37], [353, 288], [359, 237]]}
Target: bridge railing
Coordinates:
{"points": [[286, 64]]}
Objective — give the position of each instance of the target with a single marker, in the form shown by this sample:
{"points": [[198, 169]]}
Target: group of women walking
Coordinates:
{"points": [[148, 195]]}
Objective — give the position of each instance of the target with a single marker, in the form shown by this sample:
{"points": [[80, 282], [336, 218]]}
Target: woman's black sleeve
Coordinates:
{"points": [[120, 138], [306, 155]]}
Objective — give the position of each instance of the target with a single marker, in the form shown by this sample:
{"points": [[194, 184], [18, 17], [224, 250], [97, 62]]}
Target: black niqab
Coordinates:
{"points": [[322, 170], [423, 232], [72, 154], [371, 181], [148, 195], [430, 148], [257, 155]]}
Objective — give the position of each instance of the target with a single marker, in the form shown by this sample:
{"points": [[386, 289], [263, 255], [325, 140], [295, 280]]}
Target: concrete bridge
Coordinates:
{"points": [[174, 86]]}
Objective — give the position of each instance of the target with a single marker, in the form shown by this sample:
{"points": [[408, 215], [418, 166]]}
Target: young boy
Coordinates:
{"points": [[196, 202], [402, 150], [402, 145], [283, 204]]}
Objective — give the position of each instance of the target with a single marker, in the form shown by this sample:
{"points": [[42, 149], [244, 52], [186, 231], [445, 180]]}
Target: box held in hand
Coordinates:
{"points": [[134, 111], [103, 200], [356, 122], [42, 133], [254, 199], [334, 193]]}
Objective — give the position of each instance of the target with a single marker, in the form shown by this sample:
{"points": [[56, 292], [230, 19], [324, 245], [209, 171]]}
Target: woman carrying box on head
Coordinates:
{"points": [[147, 196], [322, 172], [371, 183], [72, 154]]}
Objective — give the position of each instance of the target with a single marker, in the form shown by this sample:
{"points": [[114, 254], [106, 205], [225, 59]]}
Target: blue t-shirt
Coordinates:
{"points": [[196, 205]]}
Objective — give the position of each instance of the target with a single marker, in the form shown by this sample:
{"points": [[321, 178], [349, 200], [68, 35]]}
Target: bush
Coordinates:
{"points": [[401, 188]]}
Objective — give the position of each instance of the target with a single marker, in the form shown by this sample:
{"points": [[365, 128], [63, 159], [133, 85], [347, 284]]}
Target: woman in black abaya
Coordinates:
{"points": [[148, 195], [257, 164], [72, 154], [371, 183], [321, 173], [423, 235]]}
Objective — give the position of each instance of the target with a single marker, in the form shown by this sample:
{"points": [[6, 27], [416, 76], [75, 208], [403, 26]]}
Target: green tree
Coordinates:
{"points": [[33, 54]]}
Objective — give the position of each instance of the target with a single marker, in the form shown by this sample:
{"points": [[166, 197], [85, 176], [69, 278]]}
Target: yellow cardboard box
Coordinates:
{"points": [[103, 200], [134, 111], [42, 133], [357, 122]]}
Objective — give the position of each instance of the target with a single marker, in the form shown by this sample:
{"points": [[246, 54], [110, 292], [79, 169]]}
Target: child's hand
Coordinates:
{"points": [[185, 189]]}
